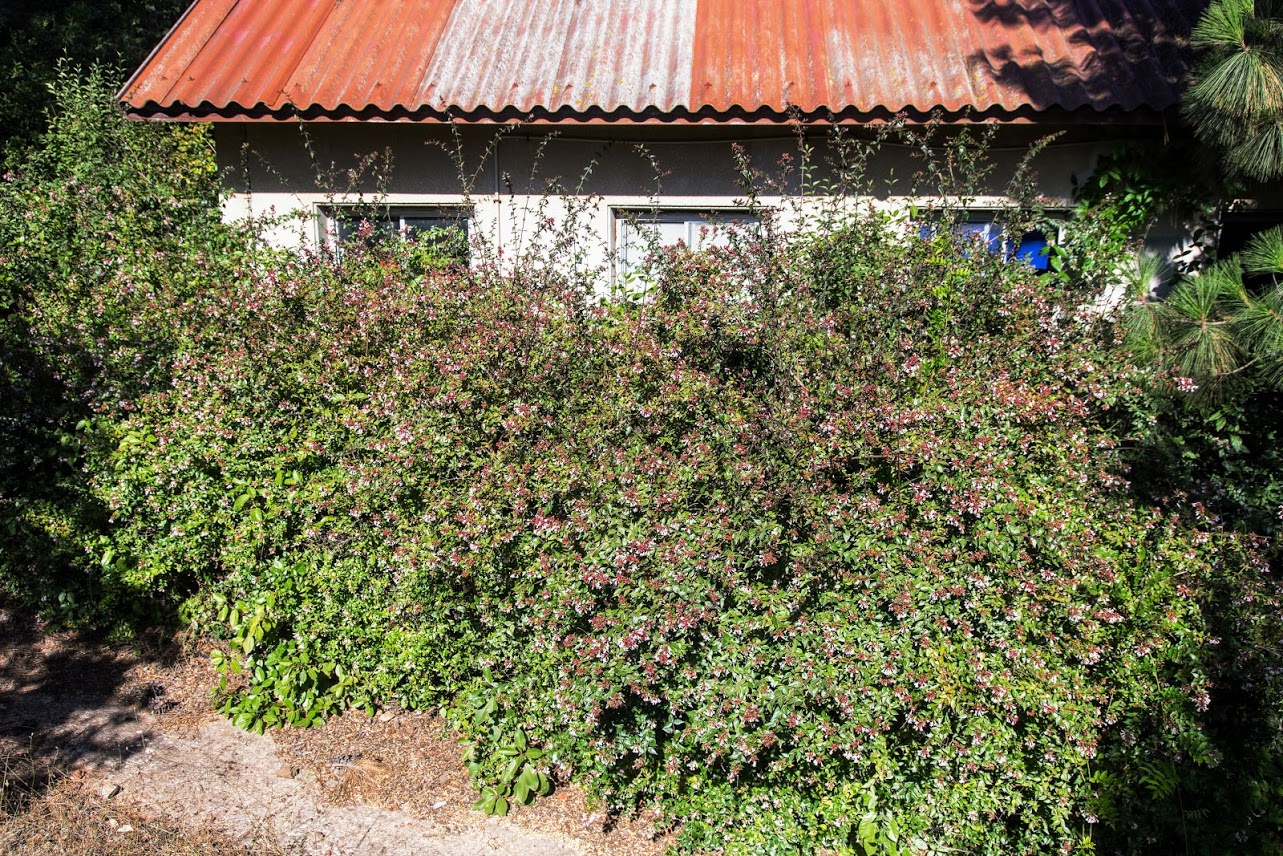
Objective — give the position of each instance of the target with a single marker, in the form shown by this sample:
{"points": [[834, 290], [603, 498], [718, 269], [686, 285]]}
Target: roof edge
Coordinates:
{"points": [[233, 112], [146, 63]]}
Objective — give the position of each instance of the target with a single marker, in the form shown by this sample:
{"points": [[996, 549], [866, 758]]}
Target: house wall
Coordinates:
{"points": [[517, 179]]}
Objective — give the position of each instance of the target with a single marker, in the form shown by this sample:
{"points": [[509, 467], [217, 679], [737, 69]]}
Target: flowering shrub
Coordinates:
{"points": [[793, 572], [104, 231], [826, 541]]}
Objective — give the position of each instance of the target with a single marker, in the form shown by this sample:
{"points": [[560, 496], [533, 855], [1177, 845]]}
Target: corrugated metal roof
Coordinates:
{"points": [[664, 60], [562, 54]]}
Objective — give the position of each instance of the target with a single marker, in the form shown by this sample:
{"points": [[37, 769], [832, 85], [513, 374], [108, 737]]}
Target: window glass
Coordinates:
{"points": [[347, 225], [639, 233], [988, 231], [445, 228], [445, 231], [1033, 248], [419, 225]]}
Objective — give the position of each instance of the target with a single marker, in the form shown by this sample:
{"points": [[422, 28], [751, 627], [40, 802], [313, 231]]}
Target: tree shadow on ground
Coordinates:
{"points": [[71, 701]]}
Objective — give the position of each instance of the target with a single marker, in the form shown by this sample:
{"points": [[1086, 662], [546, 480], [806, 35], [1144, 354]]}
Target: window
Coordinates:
{"points": [[444, 227], [639, 233], [1032, 248], [1238, 227]]}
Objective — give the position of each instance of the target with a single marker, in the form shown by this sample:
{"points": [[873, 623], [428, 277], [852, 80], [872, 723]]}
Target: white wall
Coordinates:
{"points": [[517, 178]]}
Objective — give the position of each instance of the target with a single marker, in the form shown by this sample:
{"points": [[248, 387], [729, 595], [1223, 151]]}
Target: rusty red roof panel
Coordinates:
{"points": [[664, 59], [383, 73]]}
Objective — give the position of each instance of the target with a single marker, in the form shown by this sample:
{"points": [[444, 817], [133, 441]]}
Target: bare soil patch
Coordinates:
{"points": [[96, 738]]}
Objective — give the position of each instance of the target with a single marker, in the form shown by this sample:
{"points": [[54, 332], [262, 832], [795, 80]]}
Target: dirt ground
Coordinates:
{"points": [[114, 749]]}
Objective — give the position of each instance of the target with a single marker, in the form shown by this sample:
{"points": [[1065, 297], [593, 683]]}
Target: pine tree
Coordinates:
{"points": [[1236, 101], [1214, 328]]}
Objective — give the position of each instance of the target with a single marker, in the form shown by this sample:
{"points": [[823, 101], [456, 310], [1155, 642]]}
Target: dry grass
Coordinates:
{"points": [[43, 812], [49, 801], [73, 708], [409, 761]]}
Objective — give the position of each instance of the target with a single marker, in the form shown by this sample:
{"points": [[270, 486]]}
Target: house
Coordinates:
{"points": [[496, 113]]}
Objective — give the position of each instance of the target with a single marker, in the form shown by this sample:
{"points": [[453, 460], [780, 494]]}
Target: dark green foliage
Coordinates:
{"points": [[1213, 426], [104, 231], [1236, 101], [35, 36]]}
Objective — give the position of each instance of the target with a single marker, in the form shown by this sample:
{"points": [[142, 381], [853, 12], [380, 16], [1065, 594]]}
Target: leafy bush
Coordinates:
{"points": [[794, 572], [105, 231], [826, 540]]}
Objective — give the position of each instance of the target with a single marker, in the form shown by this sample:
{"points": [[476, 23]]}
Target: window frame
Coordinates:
{"points": [[331, 235], [625, 218]]}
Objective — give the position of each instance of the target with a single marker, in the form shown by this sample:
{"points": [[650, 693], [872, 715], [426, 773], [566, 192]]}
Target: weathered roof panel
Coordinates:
{"points": [[665, 60], [554, 54], [251, 56], [169, 62]]}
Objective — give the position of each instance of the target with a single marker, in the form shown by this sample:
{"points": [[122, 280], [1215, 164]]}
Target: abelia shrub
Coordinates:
{"points": [[105, 230], [824, 543]]}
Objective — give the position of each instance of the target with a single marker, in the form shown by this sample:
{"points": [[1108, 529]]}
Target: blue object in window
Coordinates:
{"points": [[990, 232], [1034, 250], [970, 230]]}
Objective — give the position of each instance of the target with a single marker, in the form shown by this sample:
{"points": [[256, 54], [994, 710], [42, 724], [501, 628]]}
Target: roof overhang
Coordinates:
{"points": [[260, 114], [672, 62]]}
